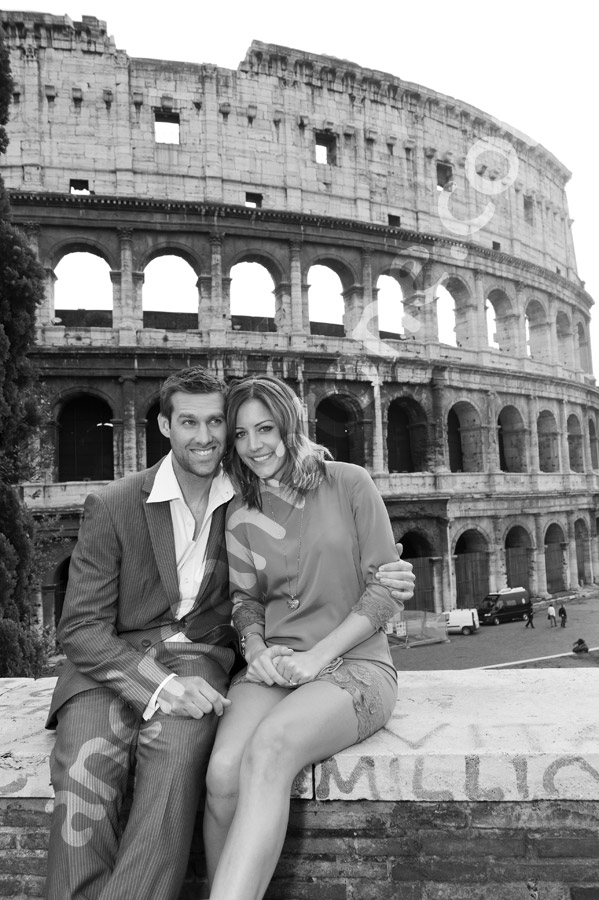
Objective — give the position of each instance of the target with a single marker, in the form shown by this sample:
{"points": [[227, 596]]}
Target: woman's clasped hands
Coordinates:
{"points": [[283, 666]]}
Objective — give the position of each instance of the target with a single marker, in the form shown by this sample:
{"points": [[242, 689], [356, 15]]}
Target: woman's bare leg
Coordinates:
{"points": [[312, 723], [249, 704]]}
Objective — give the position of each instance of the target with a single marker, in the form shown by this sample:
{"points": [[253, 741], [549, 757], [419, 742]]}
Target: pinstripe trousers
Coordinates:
{"points": [[99, 739]]}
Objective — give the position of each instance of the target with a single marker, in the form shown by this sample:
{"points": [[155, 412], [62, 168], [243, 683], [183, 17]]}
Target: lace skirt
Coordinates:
{"points": [[372, 686]]}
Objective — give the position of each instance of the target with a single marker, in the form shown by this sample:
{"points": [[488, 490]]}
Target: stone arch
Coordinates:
{"points": [[505, 320], [407, 436], [537, 328], [162, 307], [518, 557], [390, 305], [82, 292], [548, 441], [82, 243], [583, 347], [262, 258], [418, 549], [556, 565], [340, 427], [326, 298], [563, 332], [252, 296], [575, 445], [462, 297], [464, 436], [85, 440], [471, 567], [169, 247], [511, 440]]}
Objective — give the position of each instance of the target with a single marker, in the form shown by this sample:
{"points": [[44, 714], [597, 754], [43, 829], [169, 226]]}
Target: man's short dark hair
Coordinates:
{"points": [[194, 380]]}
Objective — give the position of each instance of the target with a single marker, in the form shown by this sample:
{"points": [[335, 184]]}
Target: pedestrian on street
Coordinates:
{"points": [[551, 615], [563, 615], [531, 616]]}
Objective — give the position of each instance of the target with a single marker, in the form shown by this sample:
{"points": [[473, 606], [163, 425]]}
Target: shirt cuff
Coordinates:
{"points": [[153, 702]]}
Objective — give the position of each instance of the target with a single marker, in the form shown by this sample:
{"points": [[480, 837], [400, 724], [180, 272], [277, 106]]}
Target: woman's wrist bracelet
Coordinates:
{"points": [[249, 634]]}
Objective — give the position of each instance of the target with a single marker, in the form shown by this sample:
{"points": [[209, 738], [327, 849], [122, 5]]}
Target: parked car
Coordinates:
{"points": [[505, 606], [462, 621]]}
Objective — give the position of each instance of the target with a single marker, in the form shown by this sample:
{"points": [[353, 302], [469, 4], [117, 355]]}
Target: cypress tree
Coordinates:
{"points": [[21, 289]]}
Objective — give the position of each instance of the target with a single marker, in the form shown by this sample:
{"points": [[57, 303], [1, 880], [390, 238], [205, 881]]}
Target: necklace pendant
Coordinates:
{"points": [[293, 603]]}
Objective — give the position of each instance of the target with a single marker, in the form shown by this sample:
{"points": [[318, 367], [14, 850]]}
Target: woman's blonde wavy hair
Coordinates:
{"points": [[304, 465]]}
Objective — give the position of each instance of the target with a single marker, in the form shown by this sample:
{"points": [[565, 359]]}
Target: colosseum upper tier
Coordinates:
{"points": [[483, 444]]}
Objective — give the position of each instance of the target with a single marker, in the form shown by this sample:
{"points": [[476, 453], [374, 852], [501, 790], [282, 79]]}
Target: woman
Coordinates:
{"points": [[305, 536]]}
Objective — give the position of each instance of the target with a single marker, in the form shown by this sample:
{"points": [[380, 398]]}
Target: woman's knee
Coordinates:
{"points": [[269, 752], [222, 777]]}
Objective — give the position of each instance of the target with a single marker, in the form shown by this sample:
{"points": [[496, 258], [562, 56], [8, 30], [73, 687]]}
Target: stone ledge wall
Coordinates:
{"points": [[373, 850]]}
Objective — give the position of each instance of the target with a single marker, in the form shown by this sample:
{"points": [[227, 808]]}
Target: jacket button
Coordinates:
{"points": [[145, 644]]}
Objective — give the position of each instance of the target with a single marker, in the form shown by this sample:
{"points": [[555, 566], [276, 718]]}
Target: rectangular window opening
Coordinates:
{"points": [[444, 175], [394, 221], [166, 127], [326, 148], [254, 201], [79, 186], [529, 211], [496, 245]]}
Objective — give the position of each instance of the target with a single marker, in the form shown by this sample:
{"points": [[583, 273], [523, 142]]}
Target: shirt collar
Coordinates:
{"points": [[166, 487]]}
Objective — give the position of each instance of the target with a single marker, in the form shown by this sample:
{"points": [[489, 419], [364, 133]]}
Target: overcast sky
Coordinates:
{"points": [[530, 64]]}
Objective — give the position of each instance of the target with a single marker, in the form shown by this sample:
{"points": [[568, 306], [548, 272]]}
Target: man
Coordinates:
{"points": [[149, 645]]}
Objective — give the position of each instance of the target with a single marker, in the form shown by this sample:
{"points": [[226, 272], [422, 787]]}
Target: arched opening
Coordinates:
{"points": [[390, 307], [326, 306], [252, 297], [555, 559], [564, 339], [83, 291], [511, 440], [548, 440], [518, 558], [471, 569], [575, 448], [464, 438], [501, 322], [85, 440], [157, 445], [170, 294], [446, 317], [593, 445], [340, 429], [583, 552], [407, 438], [418, 550], [537, 332]]}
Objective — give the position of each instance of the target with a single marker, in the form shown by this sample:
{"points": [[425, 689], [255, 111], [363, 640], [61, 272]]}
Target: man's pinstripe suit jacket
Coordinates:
{"points": [[123, 594]]}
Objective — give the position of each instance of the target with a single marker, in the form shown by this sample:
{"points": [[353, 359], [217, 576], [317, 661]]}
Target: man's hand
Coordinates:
{"points": [[398, 577], [192, 697]]}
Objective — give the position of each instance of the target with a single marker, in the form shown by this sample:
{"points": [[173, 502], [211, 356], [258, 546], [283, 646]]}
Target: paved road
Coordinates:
{"points": [[509, 642]]}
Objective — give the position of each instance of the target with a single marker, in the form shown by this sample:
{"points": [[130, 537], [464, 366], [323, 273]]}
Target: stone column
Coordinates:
{"points": [[129, 425], [216, 325], [594, 548], [370, 306], [377, 449], [282, 294], [123, 313], [352, 316], [299, 325], [141, 444], [563, 444], [46, 312], [533, 443], [540, 571], [439, 595], [471, 323], [117, 448], [204, 285], [520, 336], [226, 303], [438, 454]]}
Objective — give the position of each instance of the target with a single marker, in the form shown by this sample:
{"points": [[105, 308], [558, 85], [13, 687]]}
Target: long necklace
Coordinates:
{"points": [[293, 599]]}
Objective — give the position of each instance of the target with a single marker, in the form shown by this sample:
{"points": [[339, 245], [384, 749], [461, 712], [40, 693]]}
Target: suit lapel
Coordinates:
{"points": [[160, 527], [216, 537]]}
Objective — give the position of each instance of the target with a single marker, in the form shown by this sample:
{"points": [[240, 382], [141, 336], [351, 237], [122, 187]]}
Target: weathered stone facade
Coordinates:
{"points": [[486, 452]]}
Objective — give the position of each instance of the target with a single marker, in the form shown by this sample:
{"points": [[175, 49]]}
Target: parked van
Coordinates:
{"points": [[505, 606], [461, 621]]}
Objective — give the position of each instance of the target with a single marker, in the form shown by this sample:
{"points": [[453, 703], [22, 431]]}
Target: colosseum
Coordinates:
{"points": [[481, 437]]}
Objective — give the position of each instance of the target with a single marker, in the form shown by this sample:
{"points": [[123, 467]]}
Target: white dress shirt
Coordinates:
{"points": [[190, 554]]}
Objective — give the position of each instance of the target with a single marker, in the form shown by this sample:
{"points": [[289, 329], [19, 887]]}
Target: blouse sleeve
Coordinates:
{"points": [[376, 545], [246, 596]]}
